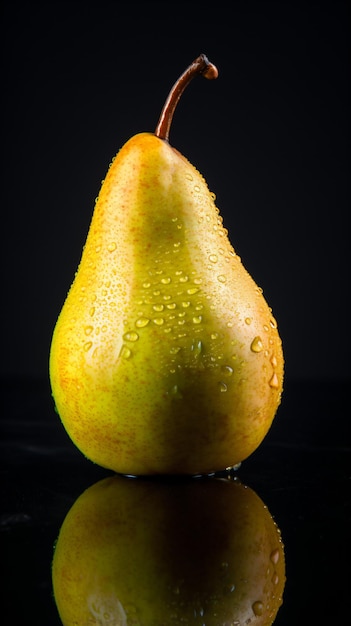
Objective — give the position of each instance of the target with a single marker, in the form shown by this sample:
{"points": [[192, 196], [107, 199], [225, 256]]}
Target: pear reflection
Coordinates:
{"points": [[138, 552]]}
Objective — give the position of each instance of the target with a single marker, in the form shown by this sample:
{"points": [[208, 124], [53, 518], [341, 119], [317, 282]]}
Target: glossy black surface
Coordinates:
{"points": [[301, 472]]}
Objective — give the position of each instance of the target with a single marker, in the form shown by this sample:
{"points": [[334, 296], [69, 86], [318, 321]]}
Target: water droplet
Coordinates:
{"points": [[125, 352], [165, 281], [92, 311], [258, 608], [174, 350], [112, 246], [265, 327], [196, 348], [274, 361], [197, 281], [229, 324], [227, 370], [177, 244], [175, 393], [88, 345], [142, 322], [88, 330], [146, 285], [214, 335], [185, 304], [256, 345], [131, 336], [196, 188], [248, 320], [197, 319], [159, 321], [221, 278], [275, 578], [171, 306], [213, 258], [275, 556], [273, 323], [188, 176], [158, 307], [213, 196], [183, 279], [97, 248], [192, 291], [274, 382], [181, 322], [222, 387], [104, 328]]}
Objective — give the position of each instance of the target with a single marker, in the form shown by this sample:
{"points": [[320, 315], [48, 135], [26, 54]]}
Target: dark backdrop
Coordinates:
{"points": [[270, 136]]}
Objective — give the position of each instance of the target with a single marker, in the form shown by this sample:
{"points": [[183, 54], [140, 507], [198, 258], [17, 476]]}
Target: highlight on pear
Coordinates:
{"points": [[165, 358]]}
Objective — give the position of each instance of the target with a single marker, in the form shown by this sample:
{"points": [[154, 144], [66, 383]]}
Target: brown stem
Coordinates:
{"points": [[201, 65]]}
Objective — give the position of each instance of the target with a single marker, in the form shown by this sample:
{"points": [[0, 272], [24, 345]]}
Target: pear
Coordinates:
{"points": [[165, 358], [203, 551]]}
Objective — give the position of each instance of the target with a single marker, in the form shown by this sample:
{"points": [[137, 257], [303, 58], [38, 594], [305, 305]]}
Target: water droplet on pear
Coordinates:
{"points": [[274, 381], [125, 352], [258, 608], [275, 556], [131, 336], [222, 387], [159, 321], [256, 345], [197, 319]]}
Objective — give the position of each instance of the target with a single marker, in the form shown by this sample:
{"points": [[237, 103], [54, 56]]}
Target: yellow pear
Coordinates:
{"points": [[166, 357], [142, 552]]}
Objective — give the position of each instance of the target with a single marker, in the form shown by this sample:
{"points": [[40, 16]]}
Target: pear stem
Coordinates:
{"points": [[201, 65]]}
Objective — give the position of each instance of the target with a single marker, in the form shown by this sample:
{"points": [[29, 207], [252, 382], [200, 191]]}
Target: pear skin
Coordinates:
{"points": [[165, 358]]}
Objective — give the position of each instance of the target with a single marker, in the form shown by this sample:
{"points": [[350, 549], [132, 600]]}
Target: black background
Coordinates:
{"points": [[271, 138]]}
